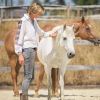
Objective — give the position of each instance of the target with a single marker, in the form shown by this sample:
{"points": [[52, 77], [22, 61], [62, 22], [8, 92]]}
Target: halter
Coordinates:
{"points": [[93, 39], [87, 31]]}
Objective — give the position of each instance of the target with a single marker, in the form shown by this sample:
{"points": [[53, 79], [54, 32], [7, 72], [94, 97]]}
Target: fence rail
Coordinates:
{"points": [[55, 6], [1, 43], [76, 42], [67, 7], [45, 19], [68, 67], [56, 18]]}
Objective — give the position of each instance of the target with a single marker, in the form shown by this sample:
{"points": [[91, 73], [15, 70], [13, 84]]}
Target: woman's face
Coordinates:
{"points": [[35, 15]]}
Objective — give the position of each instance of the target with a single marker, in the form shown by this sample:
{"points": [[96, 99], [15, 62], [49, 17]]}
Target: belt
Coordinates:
{"points": [[32, 48], [35, 49]]}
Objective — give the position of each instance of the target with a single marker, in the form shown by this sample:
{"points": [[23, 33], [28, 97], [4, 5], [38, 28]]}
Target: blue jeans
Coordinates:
{"points": [[29, 60]]}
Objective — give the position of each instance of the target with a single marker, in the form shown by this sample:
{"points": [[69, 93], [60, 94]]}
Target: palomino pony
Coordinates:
{"points": [[83, 30], [56, 53]]}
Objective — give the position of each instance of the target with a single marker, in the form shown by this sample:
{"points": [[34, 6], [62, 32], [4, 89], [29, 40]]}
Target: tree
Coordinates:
{"points": [[60, 2], [86, 2], [36, 1]]}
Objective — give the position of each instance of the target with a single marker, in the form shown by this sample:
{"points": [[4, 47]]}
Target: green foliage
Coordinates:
{"points": [[58, 12], [60, 2], [47, 1], [86, 2], [36, 1]]}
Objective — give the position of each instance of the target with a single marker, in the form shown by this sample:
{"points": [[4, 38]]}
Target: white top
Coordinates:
{"points": [[27, 34]]}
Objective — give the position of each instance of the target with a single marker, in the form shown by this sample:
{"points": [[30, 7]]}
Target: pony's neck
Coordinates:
{"points": [[57, 38], [56, 41]]}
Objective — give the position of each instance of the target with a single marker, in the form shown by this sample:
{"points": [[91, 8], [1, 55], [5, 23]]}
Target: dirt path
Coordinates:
{"points": [[70, 94]]}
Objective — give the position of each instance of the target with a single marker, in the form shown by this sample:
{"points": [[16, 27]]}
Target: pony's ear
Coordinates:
{"points": [[64, 26], [73, 27], [82, 20], [88, 18]]}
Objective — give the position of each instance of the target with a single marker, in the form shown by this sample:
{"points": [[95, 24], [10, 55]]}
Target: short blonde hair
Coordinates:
{"points": [[36, 8]]}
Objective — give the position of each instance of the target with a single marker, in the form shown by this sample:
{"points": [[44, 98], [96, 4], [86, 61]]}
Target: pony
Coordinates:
{"points": [[83, 30], [56, 53]]}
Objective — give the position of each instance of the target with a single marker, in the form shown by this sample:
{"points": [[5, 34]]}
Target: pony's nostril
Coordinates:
{"points": [[98, 39], [87, 29], [70, 54]]}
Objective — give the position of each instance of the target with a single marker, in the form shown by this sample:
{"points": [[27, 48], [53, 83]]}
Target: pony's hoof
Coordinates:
{"points": [[57, 94], [63, 98], [48, 99], [36, 96], [16, 92], [16, 95]]}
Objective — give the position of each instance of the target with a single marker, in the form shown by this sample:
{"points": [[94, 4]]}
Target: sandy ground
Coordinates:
{"points": [[70, 94]]}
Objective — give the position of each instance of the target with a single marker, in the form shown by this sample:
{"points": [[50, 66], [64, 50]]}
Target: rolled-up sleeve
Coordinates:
{"points": [[19, 37], [40, 32]]}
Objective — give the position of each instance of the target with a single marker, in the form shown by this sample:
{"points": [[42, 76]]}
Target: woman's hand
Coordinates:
{"points": [[54, 34], [21, 59]]}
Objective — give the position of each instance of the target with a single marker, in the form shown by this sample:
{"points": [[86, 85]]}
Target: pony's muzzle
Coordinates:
{"points": [[96, 41], [71, 55]]}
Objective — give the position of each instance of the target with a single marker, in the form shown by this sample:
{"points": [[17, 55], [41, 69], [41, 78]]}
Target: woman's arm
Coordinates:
{"points": [[19, 37], [19, 41], [42, 33]]}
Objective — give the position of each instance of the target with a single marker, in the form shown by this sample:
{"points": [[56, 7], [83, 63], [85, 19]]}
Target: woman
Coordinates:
{"points": [[26, 43]]}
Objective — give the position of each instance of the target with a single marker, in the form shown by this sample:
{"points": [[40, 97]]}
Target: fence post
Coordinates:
{"points": [[68, 10], [1, 9], [6, 11], [84, 12], [78, 12], [11, 9], [88, 11]]}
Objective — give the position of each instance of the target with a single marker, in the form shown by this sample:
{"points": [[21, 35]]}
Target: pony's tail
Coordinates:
{"points": [[54, 77]]}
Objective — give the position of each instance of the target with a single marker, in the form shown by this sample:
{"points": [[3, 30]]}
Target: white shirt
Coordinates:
{"points": [[27, 34]]}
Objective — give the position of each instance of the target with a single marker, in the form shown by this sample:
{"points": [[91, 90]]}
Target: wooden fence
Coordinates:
{"points": [[76, 42], [85, 9], [69, 67], [68, 8]]}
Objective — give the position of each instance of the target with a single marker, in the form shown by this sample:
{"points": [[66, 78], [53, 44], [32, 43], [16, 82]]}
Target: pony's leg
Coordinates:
{"points": [[13, 60], [49, 86], [61, 82], [48, 73], [56, 86], [41, 74], [17, 68]]}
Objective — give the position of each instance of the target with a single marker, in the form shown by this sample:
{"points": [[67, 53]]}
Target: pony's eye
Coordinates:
{"points": [[64, 38]]}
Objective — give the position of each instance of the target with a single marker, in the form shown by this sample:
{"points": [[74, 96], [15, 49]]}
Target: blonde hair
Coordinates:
{"points": [[36, 8]]}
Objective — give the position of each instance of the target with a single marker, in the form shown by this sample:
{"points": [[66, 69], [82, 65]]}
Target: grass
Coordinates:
{"points": [[5, 27], [85, 55]]}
